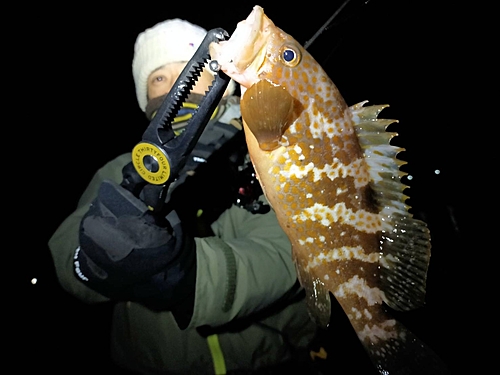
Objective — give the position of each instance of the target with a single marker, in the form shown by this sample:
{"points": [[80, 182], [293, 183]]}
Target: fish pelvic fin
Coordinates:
{"points": [[317, 296], [405, 241]]}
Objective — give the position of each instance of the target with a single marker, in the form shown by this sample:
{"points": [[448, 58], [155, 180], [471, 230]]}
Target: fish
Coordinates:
{"points": [[334, 180]]}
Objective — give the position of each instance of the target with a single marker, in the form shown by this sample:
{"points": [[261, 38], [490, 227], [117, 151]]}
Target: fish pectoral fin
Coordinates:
{"points": [[268, 112]]}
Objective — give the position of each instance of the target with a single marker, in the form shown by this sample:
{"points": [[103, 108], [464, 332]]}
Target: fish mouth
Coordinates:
{"points": [[249, 31], [245, 51]]}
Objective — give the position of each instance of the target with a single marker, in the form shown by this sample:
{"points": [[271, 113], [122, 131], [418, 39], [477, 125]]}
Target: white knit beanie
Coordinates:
{"points": [[173, 40]]}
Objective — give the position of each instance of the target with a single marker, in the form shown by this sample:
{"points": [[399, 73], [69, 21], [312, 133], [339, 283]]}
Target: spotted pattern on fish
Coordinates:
{"points": [[333, 180], [320, 179]]}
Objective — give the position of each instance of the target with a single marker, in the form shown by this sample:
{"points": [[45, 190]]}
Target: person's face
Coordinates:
{"points": [[161, 80]]}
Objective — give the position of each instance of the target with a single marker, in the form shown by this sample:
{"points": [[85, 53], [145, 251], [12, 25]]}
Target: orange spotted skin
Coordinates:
{"points": [[317, 182], [312, 170], [348, 238]]}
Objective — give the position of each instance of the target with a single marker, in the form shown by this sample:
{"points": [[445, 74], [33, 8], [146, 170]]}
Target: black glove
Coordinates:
{"points": [[125, 255]]}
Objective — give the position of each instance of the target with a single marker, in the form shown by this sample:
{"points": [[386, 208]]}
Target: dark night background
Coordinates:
{"points": [[385, 51]]}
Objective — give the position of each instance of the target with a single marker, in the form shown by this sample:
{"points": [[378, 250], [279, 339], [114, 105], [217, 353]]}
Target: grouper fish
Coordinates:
{"points": [[334, 180]]}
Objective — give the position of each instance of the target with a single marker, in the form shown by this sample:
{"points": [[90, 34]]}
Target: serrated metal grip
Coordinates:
{"points": [[159, 135], [160, 131]]}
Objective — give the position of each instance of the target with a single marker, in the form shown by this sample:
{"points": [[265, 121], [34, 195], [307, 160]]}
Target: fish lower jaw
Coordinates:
{"points": [[244, 79]]}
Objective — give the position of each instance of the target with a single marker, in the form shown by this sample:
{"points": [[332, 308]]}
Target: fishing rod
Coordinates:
{"points": [[328, 22], [325, 25]]}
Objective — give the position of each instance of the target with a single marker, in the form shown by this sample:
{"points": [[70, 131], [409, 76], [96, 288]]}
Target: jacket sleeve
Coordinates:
{"points": [[243, 269], [64, 241]]}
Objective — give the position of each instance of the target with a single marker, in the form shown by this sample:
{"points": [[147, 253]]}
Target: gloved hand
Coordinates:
{"points": [[125, 255]]}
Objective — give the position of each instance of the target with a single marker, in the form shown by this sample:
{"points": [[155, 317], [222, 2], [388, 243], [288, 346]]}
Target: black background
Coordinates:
{"points": [[77, 79]]}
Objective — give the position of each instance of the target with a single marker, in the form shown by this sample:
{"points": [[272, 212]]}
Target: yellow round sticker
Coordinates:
{"points": [[151, 162]]}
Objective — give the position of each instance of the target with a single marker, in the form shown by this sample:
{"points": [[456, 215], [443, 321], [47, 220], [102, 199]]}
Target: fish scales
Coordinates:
{"points": [[333, 179]]}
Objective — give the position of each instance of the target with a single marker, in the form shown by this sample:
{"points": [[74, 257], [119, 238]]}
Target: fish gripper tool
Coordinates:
{"points": [[161, 154]]}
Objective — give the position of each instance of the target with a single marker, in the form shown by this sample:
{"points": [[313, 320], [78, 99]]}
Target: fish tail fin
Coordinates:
{"points": [[408, 355], [405, 355]]}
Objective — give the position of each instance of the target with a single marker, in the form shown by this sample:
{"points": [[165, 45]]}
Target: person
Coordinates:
{"points": [[215, 291]]}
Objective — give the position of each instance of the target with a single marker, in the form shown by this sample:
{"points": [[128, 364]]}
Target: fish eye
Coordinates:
{"points": [[290, 56]]}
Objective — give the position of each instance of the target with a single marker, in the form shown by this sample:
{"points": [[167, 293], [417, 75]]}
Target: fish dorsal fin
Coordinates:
{"points": [[405, 241]]}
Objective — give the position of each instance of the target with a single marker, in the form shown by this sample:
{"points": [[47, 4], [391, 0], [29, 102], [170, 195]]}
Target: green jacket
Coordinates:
{"points": [[248, 312]]}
